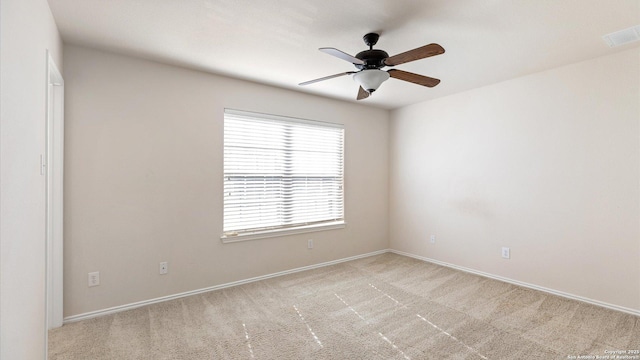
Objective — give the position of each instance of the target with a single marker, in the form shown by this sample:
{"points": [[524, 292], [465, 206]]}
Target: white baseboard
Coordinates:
{"points": [[115, 309], [523, 284]]}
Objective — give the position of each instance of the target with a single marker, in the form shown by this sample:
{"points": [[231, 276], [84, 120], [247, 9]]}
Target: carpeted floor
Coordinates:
{"points": [[381, 307]]}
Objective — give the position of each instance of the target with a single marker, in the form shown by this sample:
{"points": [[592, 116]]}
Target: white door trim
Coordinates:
{"points": [[54, 194]]}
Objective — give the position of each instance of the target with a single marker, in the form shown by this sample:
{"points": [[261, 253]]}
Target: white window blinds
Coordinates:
{"points": [[280, 173]]}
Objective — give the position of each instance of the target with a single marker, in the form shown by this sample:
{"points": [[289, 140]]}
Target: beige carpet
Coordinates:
{"points": [[381, 307]]}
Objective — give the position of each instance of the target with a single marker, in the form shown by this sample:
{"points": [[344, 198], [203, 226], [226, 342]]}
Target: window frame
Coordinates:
{"points": [[230, 237]]}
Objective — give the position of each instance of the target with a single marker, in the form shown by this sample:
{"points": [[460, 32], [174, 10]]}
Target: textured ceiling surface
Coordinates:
{"points": [[276, 41]]}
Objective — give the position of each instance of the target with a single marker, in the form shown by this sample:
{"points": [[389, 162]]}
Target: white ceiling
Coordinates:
{"points": [[276, 41]]}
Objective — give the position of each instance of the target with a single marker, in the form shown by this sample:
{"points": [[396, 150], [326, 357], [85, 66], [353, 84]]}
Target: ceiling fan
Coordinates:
{"points": [[370, 62]]}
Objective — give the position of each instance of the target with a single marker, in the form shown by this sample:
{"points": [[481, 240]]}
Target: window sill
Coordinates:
{"points": [[282, 232]]}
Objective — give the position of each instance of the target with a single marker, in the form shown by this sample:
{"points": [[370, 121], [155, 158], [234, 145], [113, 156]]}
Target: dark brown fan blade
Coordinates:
{"points": [[326, 78], [362, 94], [342, 55], [414, 78], [415, 54]]}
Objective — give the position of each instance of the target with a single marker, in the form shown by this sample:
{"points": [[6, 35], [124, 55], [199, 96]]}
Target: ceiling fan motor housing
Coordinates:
{"points": [[373, 59]]}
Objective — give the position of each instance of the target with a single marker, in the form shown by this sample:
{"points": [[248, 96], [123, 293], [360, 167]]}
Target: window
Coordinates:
{"points": [[280, 174]]}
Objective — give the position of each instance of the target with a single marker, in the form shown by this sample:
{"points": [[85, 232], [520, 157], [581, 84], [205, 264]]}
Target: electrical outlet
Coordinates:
{"points": [[94, 278], [506, 253], [433, 239], [310, 244], [164, 268]]}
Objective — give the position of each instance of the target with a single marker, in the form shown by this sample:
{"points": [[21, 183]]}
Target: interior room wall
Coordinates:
{"points": [[547, 165], [143, 180], [27, 30]]}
